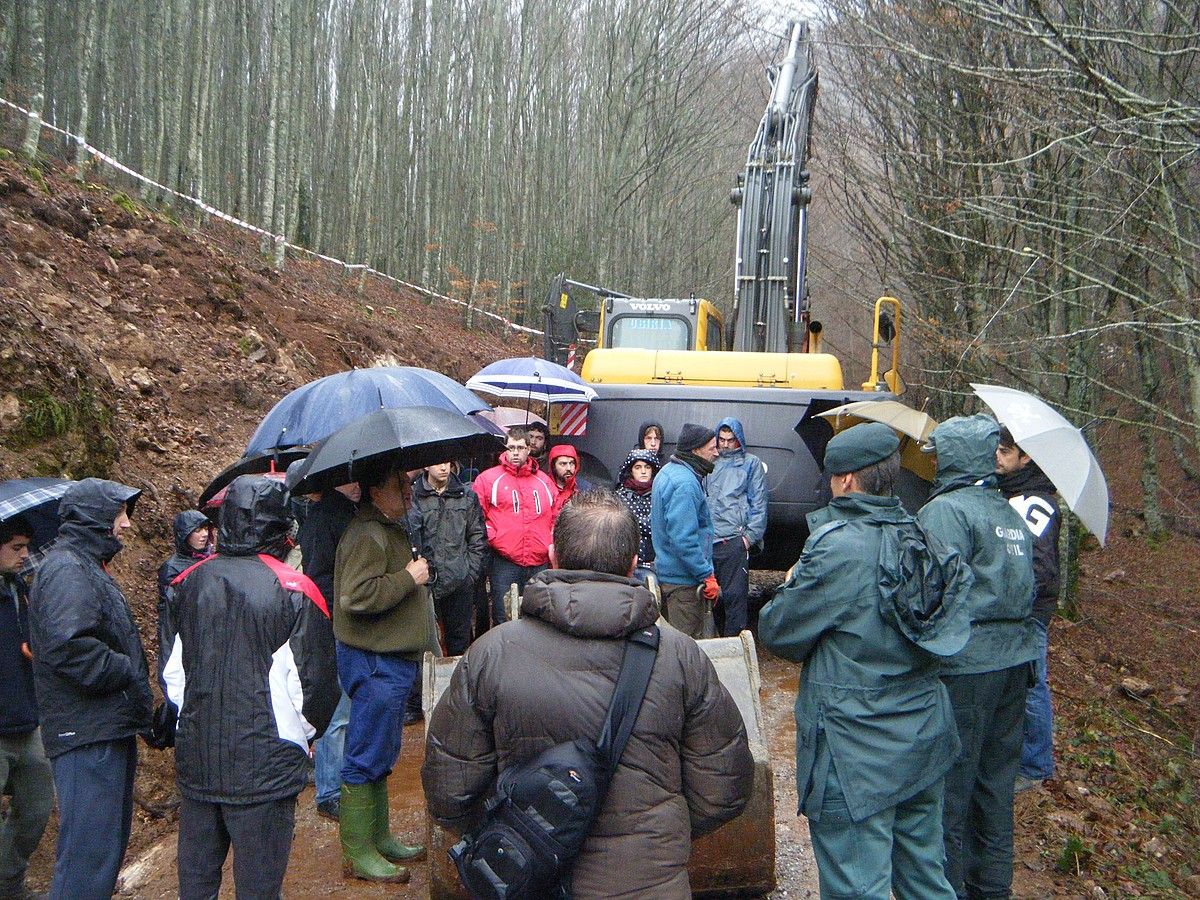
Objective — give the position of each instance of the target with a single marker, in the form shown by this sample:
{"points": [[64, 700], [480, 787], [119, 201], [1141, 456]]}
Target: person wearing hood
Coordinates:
{"points": [[681, 529], [1031, 494], [93, 687], [518, 509], [737, 499], [24, 770], [193, 542], [251, 671], [548, 677], [988, 678], [869, 610], [650, 437], [564, 469], [635, 483]]}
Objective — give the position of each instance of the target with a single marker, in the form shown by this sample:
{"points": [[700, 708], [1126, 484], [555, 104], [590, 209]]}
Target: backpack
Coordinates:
{"points": [[540, 814]]}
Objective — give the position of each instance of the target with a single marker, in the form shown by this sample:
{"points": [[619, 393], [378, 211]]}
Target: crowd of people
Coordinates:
{"points": [[291, 632]]}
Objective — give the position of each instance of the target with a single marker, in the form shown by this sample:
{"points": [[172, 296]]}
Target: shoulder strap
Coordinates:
{"points": [[640, 652], [190, 569]]}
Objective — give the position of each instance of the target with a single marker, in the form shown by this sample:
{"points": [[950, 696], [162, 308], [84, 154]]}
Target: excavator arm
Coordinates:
{"points": [[770, 300]]}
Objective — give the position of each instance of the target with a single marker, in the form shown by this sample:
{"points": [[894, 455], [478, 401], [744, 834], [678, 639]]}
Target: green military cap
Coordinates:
{"points": [[859, 447]]}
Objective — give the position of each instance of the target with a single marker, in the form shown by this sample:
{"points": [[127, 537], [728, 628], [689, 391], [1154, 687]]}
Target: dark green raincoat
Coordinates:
{"points": [[967, 512], [869, 697]]}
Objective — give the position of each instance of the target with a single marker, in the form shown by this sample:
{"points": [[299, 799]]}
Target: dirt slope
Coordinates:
{"points": [[141, 350], [146, 351]]}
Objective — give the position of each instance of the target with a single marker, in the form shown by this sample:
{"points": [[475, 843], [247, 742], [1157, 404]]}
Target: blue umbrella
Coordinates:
{"points": [[318, 409], [37, 500], [531, 378]]}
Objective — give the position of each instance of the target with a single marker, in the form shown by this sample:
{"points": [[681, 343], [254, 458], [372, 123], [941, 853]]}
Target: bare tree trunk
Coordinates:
{"points": [[35, 69], [87, 17]]}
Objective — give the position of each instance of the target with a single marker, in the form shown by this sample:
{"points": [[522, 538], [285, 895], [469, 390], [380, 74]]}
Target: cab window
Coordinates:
{"points": [[713, 336], [650, 332]]}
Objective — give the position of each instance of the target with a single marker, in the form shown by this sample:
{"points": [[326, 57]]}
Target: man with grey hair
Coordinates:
{"points": [[547, 678]]}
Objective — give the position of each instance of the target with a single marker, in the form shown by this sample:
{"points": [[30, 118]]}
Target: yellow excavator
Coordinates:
{"points": [[675, 360]]}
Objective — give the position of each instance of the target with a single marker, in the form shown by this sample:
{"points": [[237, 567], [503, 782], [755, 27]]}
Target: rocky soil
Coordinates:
{"points": [[146, 350]]}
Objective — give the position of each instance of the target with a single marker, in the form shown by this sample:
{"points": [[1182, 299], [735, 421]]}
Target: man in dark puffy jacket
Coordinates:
{"points": [[988, 678], [252, 673], [1031, 494], [548, 677], [93, 689], [445, 523], [24, 770]]}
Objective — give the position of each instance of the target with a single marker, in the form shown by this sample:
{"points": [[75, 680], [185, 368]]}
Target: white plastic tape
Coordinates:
{"points": [[276, 238]]}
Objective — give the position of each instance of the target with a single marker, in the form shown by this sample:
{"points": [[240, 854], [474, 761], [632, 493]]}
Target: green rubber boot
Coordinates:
{"points": [[356, 825], [385, 842]]}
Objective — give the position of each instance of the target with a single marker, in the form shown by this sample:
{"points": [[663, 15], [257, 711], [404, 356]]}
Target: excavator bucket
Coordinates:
{"points": [[737, 859]]}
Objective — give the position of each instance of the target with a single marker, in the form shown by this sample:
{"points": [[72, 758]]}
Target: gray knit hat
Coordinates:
{"points": [[692, 437]]}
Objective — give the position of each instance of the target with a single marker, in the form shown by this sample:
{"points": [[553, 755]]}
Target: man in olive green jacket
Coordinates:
{"points": [[987, 680], [869, 609], [383, 622]]}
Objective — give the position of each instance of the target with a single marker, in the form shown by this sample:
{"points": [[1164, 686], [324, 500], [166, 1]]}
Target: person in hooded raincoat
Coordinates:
{"points": [[635, 483], [870, 609], [737, 500], [93, 688], [650, 437], [193, 534], [988, 678], [564, 469], [252, 672]]}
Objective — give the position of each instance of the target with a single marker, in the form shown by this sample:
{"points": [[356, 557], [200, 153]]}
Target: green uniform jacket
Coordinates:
{"points": [[379, 607], [868, 697], [968, 513]]}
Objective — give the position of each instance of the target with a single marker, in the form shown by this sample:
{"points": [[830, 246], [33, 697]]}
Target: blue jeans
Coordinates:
{"points": [[330, 751], [378, 685], [1037, 752], [95, 810], [503, 575]]}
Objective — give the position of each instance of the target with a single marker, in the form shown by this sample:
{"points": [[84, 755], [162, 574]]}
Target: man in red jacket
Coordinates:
{"points": [[518, 509]]}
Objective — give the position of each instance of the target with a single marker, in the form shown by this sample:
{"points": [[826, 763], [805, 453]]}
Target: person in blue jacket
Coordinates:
{"points": [[737, 500], [681, 529]]}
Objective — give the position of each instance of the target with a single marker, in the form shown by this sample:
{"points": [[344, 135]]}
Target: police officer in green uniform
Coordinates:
{"points": [[869, 610], [987, 680]]}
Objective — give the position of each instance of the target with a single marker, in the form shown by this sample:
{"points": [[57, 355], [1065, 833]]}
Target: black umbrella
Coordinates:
{"points": [[37, 500], [412, 438], [258, 464]]}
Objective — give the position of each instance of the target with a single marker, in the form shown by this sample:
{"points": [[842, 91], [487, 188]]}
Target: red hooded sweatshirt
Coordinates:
{"points": [[518, 509]]}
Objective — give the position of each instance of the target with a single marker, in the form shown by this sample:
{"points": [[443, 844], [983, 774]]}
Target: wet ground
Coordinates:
{"points": [[315, 866]]}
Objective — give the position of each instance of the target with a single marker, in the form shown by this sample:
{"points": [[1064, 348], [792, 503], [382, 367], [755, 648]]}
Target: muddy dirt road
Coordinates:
{"points": [[315, 867]]}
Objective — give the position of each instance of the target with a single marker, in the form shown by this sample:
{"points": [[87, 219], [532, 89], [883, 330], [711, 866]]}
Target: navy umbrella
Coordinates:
{"points": [[320, 408], [37, 500], [411, 438]]}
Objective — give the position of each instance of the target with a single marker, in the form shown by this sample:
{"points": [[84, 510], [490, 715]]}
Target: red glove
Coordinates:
{"points": [[711, 590]]}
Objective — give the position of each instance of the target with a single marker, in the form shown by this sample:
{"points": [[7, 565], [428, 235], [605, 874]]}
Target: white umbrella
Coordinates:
{"points": [[1058, 447]]}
